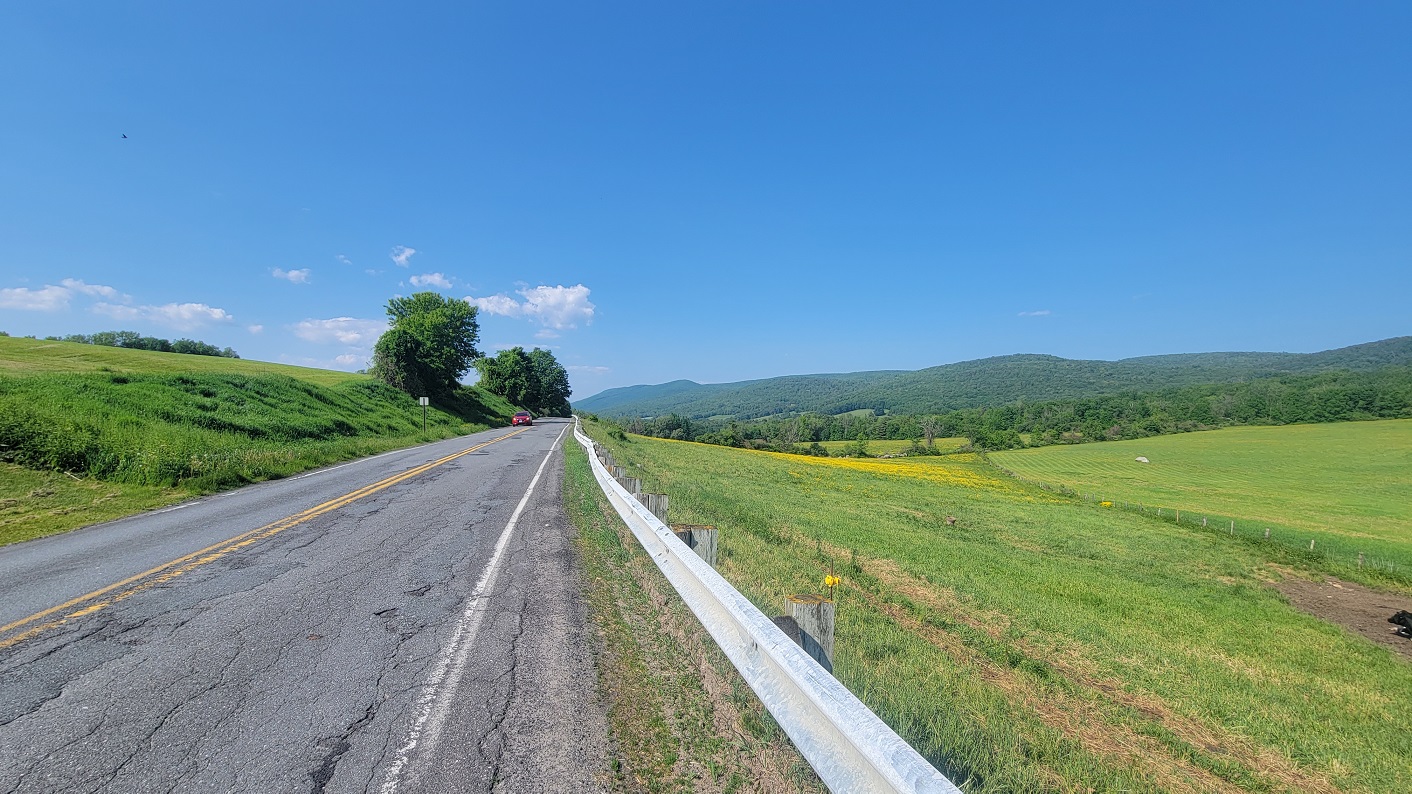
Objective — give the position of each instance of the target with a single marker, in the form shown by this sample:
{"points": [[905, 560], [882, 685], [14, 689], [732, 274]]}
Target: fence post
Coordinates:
{"points": [[1267, 533], [815, 616], [1360, 560], [701, 539], [631, 484], [656, 504]]}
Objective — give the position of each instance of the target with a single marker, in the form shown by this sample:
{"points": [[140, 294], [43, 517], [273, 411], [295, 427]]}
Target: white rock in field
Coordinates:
{"points": [[1141, 459]]}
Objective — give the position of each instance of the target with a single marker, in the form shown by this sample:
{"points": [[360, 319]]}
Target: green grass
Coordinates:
{"points": [[38, 503], [100, 414], [682, 720], [1045, 643], [23, 356], [887, 446], [1346, 485]]}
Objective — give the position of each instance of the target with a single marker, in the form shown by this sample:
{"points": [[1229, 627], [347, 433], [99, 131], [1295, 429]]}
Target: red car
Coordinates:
{"points": [[522, 418]]}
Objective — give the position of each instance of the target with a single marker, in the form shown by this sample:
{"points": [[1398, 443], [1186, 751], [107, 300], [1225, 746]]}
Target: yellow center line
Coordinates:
{"points": [[114, 593]]}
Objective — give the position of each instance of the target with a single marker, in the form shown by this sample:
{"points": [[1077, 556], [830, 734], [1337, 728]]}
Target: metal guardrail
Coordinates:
{"points": [[843, 740]]}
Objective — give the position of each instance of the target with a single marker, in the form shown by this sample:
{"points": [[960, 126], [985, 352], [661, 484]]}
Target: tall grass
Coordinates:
{"points": [[1042, 643], [209, 430]]}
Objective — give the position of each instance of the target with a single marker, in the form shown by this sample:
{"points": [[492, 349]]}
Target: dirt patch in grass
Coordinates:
{"points": [[1361, 610]]}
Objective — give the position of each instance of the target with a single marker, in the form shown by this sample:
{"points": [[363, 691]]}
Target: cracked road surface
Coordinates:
{"points": [[383, 626]]}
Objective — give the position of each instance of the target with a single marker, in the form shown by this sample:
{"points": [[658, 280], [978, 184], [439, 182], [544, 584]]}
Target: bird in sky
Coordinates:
{"points": [[124, 135]]}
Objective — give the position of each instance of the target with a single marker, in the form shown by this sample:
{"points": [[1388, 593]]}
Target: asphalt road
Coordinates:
{"points": [[403, 623]]}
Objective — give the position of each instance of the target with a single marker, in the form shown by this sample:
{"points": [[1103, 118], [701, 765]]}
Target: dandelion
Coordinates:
{"points": [[831, 582], [1105, 504]]}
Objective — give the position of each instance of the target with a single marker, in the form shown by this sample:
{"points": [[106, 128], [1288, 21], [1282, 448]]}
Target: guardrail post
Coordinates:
{"points": [[656, 504], [814, 614], [702, 539], [630, 484]]}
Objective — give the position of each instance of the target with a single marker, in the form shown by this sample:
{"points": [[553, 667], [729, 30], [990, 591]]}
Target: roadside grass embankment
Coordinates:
{"points": [[115, 442], [1346, 486], [1044, 643], [682, 719]]}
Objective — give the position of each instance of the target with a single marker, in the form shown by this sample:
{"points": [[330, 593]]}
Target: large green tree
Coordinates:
{"points": [[533, 380], [552, 383], [431, 344]]}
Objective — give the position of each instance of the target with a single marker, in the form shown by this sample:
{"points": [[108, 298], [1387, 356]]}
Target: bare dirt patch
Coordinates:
{"points": [[1359, 609]]}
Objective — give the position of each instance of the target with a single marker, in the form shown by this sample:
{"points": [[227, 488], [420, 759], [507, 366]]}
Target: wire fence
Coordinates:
{"points": [[1330, 550]]}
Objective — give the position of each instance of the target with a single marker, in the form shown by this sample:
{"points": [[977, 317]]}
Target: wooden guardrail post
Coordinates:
{"points": [[656, 504], [631, 484], [702, 539], [814, 614]]}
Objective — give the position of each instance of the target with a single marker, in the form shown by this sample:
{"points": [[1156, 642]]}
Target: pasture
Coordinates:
{"points": [[1045, 643], [1346, 485], [891, 446]]}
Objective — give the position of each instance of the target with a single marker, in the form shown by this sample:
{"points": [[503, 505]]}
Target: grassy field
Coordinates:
{"points": [[1347, 485], [886, 446], [1043, 643], [24, 356], [114, 431]]}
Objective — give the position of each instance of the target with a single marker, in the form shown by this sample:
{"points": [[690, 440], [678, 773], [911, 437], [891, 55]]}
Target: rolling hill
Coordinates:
{"points": [[982, 382]]}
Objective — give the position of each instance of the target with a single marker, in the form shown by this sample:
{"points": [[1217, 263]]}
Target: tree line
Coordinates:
{"points": [[135, 341], [431, 344], [1325, 397]]}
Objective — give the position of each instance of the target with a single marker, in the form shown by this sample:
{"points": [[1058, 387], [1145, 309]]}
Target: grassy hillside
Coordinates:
{"points": [[23, 356], [151, 429], [984, 382], [1043, 643], [1348, 485]]}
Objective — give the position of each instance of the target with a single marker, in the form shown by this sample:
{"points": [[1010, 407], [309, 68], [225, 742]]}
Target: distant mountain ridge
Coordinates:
{"points": [[982, 382]]}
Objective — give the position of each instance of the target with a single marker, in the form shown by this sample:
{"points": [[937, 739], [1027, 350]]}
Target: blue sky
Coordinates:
{"points": [[715, 191]]}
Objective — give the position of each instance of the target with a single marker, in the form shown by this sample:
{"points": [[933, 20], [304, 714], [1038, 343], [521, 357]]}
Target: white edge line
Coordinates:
{"points": [[434, 702]]}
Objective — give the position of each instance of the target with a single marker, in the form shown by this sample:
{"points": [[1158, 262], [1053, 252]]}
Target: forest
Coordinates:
{"points": [[1289, 399]]}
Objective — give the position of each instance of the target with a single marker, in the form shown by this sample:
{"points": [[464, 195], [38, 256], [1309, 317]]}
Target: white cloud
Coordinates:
{"points": [[402, 255], [557, 307], [255, 329], [545, 333], [300, 276], [181, 316], [47, 299], [431, 280], [502, 305], [1040, 313], [345, 260], [588, 369], [98, 290], [341, 330], [347, 362], [54, 297]]}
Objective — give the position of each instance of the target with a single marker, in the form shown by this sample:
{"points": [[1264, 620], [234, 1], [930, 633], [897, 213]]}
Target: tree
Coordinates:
{"points": [[510, 374], [533, 380], [552, 384], [431, 344], [930, 425]]}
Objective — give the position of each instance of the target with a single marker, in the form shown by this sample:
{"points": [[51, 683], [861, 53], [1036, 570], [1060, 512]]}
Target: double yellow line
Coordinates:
{"points": [[97, 600]]}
